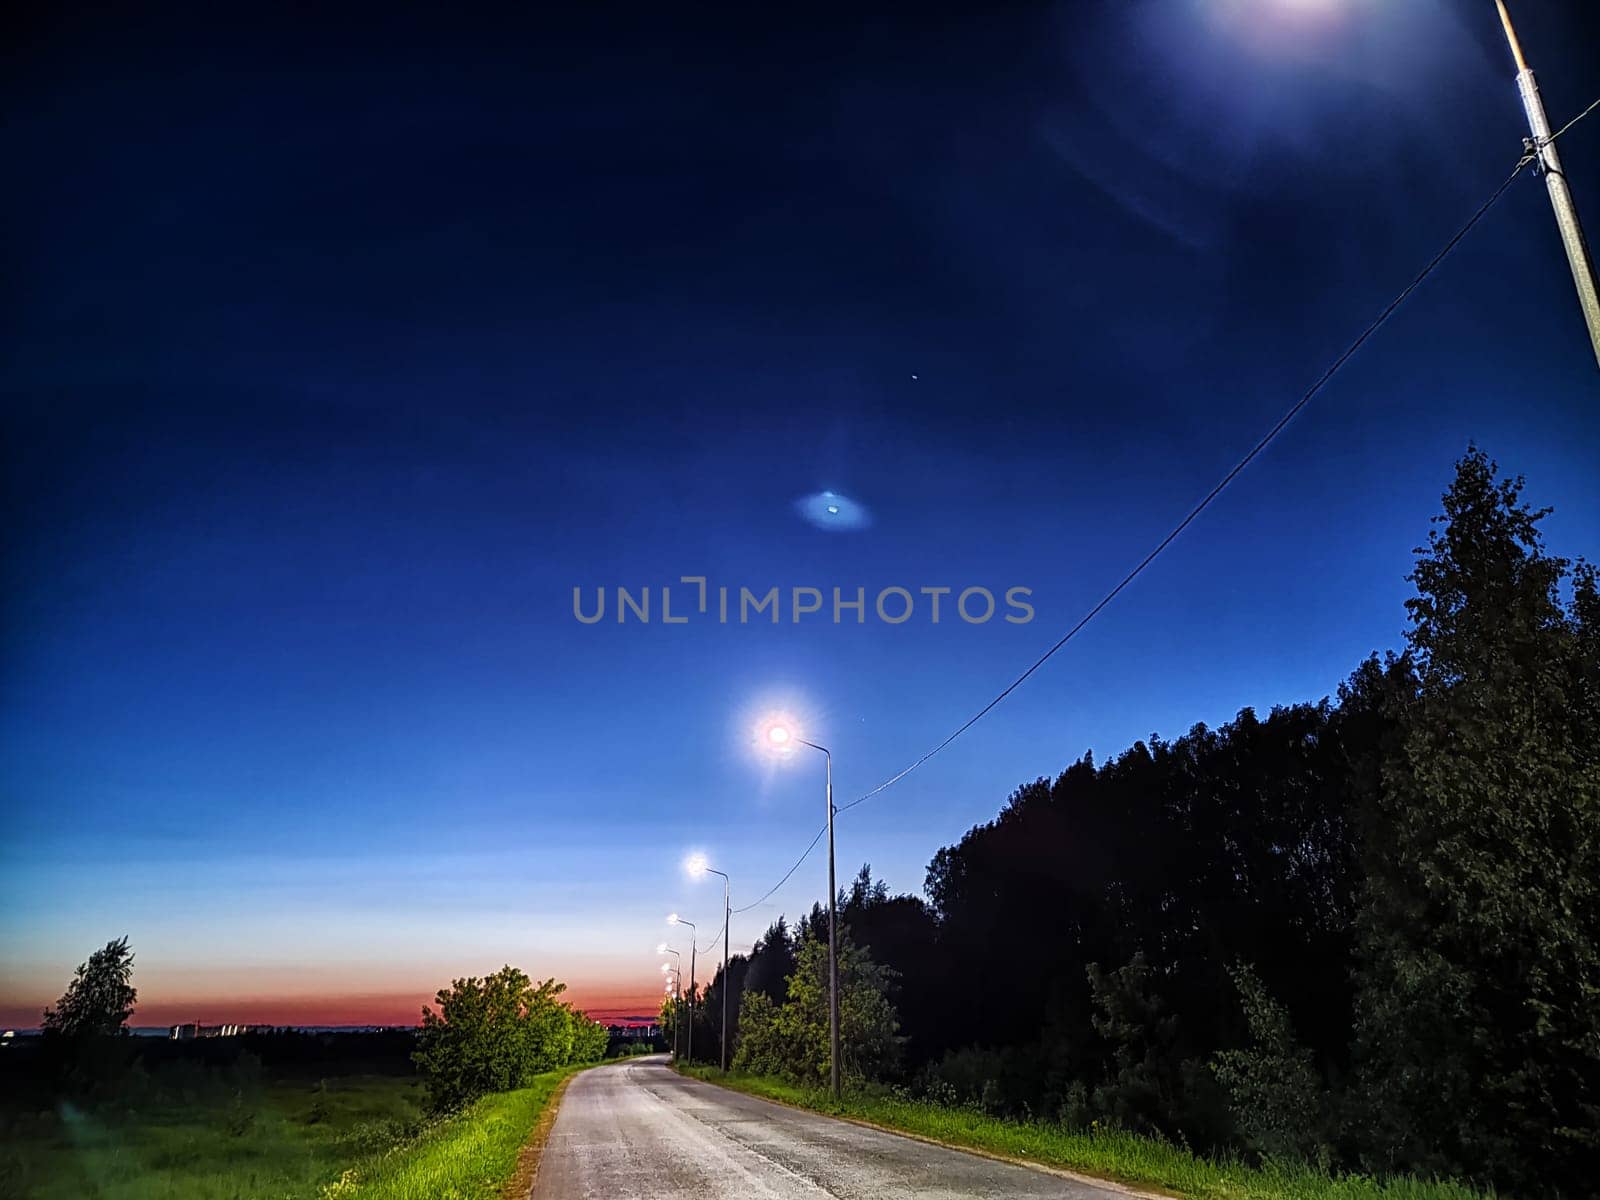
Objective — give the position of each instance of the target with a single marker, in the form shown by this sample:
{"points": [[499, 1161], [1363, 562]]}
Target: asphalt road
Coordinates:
{"points": [[639, 1129]]}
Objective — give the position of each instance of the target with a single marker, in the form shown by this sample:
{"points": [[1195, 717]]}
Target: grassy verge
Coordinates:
{"points": [[470, 1156], [279, 1139], [347, 1138], [1108, 1154]]}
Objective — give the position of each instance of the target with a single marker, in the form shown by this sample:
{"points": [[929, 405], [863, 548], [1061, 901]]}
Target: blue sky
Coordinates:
{"points": [[344, 361]]}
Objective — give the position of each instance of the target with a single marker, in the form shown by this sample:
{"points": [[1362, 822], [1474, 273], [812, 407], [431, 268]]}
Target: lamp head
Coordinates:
{"points": [[695, 865]]}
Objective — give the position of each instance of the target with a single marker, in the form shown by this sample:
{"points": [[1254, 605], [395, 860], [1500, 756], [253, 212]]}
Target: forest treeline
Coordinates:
{"points": [[1363, 931]]}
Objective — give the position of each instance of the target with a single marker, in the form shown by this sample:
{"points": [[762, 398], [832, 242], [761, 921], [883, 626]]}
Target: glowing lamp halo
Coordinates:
{"points": [[777, 733]]}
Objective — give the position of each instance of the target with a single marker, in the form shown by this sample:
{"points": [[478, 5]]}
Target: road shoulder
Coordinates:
{"points": [[1145, 1192], [520, 1185]]}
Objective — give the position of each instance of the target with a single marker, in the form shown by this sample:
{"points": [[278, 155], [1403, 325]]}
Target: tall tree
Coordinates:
{"points": [[100, 998], [1480, 951], [771, 963]]}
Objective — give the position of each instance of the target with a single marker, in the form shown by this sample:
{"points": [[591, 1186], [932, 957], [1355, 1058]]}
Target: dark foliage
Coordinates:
{"points": [[100, 998]]}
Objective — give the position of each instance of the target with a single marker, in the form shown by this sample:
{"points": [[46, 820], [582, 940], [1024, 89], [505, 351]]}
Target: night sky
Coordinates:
{"points": [[339, 353]]}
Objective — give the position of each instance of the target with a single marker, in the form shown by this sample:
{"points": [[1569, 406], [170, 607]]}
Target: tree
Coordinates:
{"points": [[771, 963], [1476, 1030], [900, 932], [709, 1008], [100, 998], [793, 1039], [1142, 1080], [589, 1038], [1273, 1087], [496, 1033]]}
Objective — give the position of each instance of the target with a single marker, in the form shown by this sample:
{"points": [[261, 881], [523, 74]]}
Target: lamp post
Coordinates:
{"points": [[675, 919], [1555, 182], [781, 737], [674, 986], [699, 868], [663, 948]]}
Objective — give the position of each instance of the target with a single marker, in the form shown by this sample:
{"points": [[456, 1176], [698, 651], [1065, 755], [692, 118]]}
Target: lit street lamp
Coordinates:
{"points": [[700, 869], [663, 948], [781, 738], [675, 919]]}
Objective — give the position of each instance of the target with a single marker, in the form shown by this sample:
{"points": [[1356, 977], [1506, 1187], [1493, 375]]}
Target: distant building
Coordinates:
{"points": [[193, 1029], [633, 1029]]}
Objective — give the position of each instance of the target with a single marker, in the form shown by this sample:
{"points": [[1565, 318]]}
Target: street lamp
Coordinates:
{"points": [[781, 738], [663, 948], [675, 919], [699, 868]]}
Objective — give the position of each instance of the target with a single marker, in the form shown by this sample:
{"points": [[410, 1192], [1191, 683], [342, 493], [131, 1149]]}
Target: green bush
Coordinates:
{"points": [[792, 1039], [1273, 1088], [496, 1034]]}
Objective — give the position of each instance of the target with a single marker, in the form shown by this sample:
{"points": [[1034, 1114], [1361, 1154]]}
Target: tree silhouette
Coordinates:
{"points": [[100, 998]]}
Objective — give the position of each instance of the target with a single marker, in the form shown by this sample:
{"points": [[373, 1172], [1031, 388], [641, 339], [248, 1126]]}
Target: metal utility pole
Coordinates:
{"points": [[1555, 181], [726, 984], [833, 942], [677, 993], [725, 913], [779, 737], [694, 948]]}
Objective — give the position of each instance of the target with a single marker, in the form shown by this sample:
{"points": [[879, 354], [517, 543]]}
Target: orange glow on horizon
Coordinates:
{"points": [[385, 1008]]}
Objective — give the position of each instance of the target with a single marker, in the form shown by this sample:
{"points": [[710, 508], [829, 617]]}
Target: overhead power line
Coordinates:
{"points": [[1574, 121], [787, 874]]}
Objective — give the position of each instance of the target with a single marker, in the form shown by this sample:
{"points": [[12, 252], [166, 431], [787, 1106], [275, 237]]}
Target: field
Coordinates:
{"points": [[1106, 1154], [189, 1132]]}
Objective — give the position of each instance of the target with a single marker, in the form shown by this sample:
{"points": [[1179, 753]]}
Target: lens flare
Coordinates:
{"points": [[833, 512]]}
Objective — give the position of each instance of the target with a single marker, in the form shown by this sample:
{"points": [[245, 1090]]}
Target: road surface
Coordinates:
{"points": [[639, 1129]]}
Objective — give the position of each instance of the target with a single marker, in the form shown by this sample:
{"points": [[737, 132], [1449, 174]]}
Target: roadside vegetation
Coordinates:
{"points": [[470, 1155], [498, 1034], [1360, 934], [440, 1113], [193, 1132]]}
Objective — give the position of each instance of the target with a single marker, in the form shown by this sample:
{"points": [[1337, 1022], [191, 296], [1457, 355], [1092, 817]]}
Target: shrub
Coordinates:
{"points": [[496, 1034], [1273, 1088]]}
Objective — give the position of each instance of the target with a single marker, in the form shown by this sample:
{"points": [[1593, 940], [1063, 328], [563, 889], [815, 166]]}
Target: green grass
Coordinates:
{"points": [[466, 1157], [1109, 1154], [282, 1140], [351, 1138]]}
